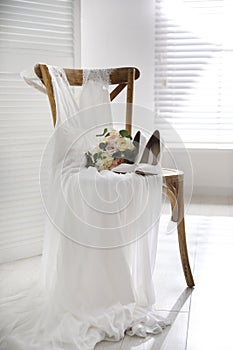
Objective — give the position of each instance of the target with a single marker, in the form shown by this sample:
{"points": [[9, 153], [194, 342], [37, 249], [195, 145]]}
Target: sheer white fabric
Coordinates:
{"points": [[100, 239]]}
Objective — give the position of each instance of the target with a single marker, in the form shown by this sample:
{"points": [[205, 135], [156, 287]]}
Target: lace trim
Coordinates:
{"points": [[58, 72], [97, 75]]}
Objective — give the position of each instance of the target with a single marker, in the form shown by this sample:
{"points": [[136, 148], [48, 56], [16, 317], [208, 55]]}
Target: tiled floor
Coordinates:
{"points": [[201, 318]]}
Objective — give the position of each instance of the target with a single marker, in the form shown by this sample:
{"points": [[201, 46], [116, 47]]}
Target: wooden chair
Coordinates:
{"points": [[172, 179]]}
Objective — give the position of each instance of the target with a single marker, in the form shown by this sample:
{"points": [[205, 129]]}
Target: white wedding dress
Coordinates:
{"points": [[100, 239]]}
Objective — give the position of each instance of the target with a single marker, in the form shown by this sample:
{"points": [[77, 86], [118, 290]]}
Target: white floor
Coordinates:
{"points": [[202, 317]]}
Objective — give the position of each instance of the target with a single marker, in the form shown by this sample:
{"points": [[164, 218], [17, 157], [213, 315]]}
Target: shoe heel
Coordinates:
{"points": [[153, 146], [156, 147], [136, 143]]}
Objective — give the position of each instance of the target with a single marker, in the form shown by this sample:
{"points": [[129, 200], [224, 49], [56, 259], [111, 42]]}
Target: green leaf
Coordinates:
{"points": [[124, 133], [89, 160], [104, 132], [129, 156], [102, 145], [117, 154]]}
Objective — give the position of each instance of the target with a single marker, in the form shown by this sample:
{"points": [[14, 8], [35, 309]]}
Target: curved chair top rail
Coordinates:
{"points": [[75, 76]]}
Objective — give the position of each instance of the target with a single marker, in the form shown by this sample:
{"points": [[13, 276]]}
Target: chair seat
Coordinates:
{"points": [[172, 172]]}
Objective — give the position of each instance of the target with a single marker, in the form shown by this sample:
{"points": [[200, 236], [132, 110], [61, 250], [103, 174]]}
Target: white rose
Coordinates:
{"points": [[100, 164], [104, 162], [108, 160], [124, 143], [131, 145]]}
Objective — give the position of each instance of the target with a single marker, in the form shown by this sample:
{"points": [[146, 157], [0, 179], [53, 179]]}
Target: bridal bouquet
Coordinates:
{"points": [[114, 147]]}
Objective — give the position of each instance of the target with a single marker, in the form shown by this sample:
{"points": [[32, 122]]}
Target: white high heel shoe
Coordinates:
{"points": [[148, 164]]}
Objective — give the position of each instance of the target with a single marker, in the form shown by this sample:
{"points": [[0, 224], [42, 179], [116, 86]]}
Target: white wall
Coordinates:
{"points": [[121, 33], [213, 171]]}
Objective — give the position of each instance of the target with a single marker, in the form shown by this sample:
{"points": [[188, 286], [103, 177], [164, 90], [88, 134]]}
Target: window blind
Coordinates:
{"points": [[37, 25], [194, 71], [30, 32]]}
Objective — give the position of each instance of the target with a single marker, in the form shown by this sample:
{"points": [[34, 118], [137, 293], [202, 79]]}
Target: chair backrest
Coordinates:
{"points": [[121, 77]]}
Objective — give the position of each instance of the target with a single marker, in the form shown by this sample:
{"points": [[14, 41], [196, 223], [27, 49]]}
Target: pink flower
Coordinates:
{"points": [[111, 147], [116, 162], [114, 135]]}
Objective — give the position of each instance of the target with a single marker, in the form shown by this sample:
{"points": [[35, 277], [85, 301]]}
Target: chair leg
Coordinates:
{"points": [[184, 253], [174, 190]]}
